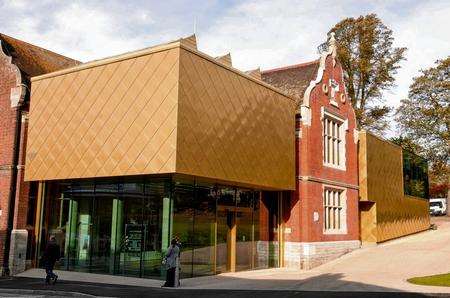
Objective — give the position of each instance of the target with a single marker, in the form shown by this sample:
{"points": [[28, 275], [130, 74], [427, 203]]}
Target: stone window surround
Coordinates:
{"points": [[343, 129], [343, 220]]}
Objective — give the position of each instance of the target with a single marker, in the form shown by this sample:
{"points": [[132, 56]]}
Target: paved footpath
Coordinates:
{"points": [[384, 267], [379, 269]]}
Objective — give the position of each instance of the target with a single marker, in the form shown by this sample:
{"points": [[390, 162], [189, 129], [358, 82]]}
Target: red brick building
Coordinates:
{"points": [[19, 61], [323, 220]]}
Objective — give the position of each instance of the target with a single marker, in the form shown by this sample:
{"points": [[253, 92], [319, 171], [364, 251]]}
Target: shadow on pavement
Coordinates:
{"points": [[109, 290]]}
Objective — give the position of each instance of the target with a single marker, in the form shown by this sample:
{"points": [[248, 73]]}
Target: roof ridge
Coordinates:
{"points": [[300, 65]]}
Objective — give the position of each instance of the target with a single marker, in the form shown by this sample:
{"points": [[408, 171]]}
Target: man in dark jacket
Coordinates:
{"points": [[49, 258]]}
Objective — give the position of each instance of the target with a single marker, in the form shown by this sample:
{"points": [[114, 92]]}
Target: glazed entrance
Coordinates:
{"points": [[123, 226]]}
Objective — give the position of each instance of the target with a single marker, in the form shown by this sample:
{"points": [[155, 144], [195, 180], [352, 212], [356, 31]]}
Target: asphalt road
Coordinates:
{"points": [[31, 287]]}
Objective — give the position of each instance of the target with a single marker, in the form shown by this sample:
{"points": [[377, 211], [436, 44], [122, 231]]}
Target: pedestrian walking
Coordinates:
{"points": [[49, 258], [171, 261]]}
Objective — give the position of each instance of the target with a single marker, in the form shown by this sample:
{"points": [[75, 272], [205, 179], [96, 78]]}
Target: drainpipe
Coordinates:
{"points": [[14, 172]]}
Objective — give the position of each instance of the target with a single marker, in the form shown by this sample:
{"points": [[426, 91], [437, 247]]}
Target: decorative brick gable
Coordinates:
{"points": [[323, 93]]}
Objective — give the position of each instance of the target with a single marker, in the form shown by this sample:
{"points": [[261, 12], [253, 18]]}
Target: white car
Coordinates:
{"points": [[438, 206]]}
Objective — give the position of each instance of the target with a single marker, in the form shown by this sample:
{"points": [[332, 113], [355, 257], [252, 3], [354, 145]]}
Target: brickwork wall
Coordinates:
{"points": [[308, 198], [23, 188], [312, 146], [10, 95], [8, 80]]}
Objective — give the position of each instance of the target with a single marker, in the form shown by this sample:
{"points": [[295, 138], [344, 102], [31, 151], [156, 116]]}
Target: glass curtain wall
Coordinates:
{"points": [[244, 230], [123, 226], [415, 175], [225, 213], [203, 253]]}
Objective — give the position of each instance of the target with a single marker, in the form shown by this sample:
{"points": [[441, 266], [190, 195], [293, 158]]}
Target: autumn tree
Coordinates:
{"points": [[370, 61], [425, 117]]}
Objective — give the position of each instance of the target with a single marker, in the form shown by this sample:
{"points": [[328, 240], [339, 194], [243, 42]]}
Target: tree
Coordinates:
{"points": [[425, 117], [369, 61], [408, 144]]}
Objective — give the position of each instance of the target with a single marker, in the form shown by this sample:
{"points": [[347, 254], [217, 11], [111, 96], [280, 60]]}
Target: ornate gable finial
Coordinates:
{"points": [[332, 47], [17, 95], [332, 40], [325, 49]]}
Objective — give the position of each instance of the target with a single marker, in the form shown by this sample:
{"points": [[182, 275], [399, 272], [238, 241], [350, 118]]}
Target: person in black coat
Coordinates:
{"points": [[49, 258]]}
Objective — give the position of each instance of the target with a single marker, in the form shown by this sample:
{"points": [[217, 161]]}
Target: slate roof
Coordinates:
{"points": [[33, 60], [293, 79]]}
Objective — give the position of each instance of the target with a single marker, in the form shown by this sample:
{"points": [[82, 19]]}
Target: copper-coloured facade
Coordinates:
{"points": [[167, 109], [385, 211]]}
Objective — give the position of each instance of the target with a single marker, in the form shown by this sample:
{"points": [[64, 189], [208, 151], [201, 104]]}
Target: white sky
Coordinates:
{"points": [[258, 33]]}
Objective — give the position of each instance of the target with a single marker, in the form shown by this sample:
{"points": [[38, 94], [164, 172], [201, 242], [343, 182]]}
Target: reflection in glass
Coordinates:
{"points": [[244, 233], [226, 203], [415, 175], [204, 231], [183, 224], [270, 200], [123, 225], [261, 234], [133, 229], [105, 193], [155, 195], [79, 227]]}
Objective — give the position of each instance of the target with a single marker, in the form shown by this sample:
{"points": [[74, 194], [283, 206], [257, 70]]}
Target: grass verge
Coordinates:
{"points": [[441, 280]]}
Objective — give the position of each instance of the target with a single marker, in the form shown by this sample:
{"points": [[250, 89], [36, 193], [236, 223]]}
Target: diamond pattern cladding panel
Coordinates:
{"points": [[110, 119], [381, 181], [232, 128]]}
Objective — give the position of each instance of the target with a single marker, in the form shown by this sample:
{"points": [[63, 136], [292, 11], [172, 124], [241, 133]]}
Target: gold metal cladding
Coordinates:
{"points": [[111, 119], [168, 109], [232, 128], [386, 212]]}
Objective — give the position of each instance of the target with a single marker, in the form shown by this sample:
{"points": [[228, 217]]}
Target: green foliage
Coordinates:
{"points": [[425, 117], [417, 188], [408, 144], [370, 62]]}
